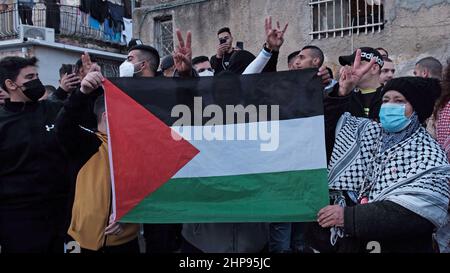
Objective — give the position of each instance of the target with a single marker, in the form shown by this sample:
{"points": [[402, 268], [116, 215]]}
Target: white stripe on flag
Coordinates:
{"points": [[301, 147]]}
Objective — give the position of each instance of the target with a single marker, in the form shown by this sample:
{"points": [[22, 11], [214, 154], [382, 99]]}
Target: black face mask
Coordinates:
{"points": [[34, 90]]}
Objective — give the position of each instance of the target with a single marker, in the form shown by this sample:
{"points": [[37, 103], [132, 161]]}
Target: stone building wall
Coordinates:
{"points": [[413, 29]]}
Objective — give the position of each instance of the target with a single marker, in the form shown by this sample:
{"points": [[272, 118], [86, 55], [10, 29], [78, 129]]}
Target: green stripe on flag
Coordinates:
{"points": [[294, 196]]}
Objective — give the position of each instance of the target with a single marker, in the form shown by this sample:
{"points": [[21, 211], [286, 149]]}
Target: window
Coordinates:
{"points": [[330, 18], [164, 35], [110, 68]]}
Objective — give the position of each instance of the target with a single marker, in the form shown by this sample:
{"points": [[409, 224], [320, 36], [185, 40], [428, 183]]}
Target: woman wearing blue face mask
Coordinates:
{"points": [[388, 181]]}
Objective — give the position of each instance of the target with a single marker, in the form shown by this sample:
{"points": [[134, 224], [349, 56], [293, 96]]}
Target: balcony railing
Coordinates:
{"points": [[67, 21]]}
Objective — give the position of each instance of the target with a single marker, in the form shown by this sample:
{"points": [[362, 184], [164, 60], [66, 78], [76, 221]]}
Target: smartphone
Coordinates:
{"points": [[223, 40], [240, 45], [67, 69]]}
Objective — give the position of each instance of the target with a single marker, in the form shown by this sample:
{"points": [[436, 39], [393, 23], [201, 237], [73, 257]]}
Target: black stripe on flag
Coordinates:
{"points": [[299, 94]]}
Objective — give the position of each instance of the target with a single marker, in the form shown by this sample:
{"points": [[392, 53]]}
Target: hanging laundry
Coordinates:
{"points": [[99, 10], [127, 34], [110, 34], [128, 9], [94, 23], [116, 13], [85, 6], [108, 30], [73, 3]]}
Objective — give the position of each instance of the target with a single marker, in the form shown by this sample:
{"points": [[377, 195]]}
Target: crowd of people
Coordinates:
{"points": [[387, 142]]}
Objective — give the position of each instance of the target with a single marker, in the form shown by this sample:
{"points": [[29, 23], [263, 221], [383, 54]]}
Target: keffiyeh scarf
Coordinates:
{"points": [[413, 173]]}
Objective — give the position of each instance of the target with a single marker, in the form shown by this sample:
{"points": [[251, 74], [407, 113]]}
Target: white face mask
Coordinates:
{"points": [[206, 73], [126, 69]]}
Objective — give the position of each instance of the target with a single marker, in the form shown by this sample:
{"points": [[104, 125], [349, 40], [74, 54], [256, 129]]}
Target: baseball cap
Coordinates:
{"points": [[367, 53], [167, 62]]}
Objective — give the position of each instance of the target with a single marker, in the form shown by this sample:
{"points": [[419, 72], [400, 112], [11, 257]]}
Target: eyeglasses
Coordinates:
{"points": [[204, 69]]}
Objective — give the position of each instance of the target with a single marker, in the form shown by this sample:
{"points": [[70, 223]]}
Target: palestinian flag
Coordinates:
{"points": [[217, 149]]}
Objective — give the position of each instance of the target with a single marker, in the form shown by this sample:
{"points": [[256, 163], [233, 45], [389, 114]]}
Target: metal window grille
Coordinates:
{"points": [[164, 35], [110, 69], [331, 18]]}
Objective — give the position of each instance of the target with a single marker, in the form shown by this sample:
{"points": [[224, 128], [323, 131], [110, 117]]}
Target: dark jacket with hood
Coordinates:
{"points": [[335, 106]]}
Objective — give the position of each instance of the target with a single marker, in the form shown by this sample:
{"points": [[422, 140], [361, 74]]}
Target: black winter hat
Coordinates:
{"points": [[420, 92]]}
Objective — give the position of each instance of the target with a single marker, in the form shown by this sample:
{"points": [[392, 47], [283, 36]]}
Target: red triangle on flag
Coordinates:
{"points": [[144, 153]]}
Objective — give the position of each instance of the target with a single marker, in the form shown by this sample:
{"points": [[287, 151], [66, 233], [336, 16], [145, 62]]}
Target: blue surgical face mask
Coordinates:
{"points": [[393, 118]]}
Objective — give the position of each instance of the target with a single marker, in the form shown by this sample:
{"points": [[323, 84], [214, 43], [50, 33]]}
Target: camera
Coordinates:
{"points": [[223, 40]]}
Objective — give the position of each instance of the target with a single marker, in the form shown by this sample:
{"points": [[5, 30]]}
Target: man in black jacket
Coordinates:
{"points": [[3, 96], [221, 61], [362, 98], [33, 171]]}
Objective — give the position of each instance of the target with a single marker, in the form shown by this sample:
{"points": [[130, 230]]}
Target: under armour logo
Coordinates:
{"points": [[72, 247], [49, 128], [374, 247]]}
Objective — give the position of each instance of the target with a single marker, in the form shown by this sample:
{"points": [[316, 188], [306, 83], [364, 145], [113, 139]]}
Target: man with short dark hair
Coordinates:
{"points": [[361, 96], [365, 97], [309, 57], [225, 49], [71, 77], [68, 82], [428, 67], [292, 58], [388, 70], [142, 61], [203, 67], [34, 179]]}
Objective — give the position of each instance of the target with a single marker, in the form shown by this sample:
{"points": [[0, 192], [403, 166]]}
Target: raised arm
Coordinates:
{"points": [[274, 41], [79, 143]]}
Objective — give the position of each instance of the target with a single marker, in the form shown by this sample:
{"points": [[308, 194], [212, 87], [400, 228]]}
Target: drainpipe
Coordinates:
{"points": [[16, 17]]}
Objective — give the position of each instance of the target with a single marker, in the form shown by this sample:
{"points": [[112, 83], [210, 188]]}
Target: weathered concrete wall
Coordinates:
{"points": [[51, 59], [414, 29]]}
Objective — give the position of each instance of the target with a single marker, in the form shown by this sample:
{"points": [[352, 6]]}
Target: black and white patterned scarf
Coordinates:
{"points": [[414, 172], [391, 139]]}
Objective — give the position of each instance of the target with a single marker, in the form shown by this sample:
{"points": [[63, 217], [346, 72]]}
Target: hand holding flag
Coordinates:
{"points": [[92, 81]]}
